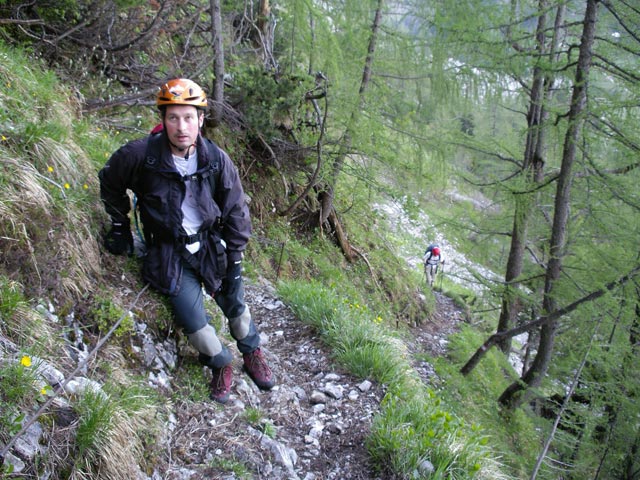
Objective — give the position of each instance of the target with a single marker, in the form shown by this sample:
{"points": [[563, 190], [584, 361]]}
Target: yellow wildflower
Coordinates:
{"points": [[49, 169], [85, 186], [25, 361], [67, 186], [4, 138]]}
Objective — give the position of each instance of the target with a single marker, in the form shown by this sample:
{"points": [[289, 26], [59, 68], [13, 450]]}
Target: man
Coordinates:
{"points": [[196, 227], [431, 259]]}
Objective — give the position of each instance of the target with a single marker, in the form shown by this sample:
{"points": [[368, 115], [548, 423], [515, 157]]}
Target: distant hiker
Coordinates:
{"points": [[196, 227], [432, 258]]}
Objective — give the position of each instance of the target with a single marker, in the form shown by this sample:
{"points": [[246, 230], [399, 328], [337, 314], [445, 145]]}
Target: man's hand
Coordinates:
{"points": [[119, 240]]}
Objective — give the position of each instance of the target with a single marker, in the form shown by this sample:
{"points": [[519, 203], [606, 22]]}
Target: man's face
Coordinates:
{"points": [[182, 123]]}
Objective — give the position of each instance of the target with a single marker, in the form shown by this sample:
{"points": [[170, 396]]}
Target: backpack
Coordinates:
{"points": [[430, 248]]}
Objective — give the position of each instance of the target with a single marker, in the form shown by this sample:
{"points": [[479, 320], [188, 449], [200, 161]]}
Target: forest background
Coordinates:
{"points": [[329, 109]]}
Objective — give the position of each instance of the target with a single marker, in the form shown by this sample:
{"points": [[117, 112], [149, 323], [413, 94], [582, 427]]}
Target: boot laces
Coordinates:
{"points": [[221, 379], [257, 363]]}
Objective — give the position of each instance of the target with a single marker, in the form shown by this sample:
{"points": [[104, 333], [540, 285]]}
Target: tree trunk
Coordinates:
{"points": [[265, 34], [533, 170], [355, 115], [218, 63], [515, 394], [565, 403], [546, 319]]}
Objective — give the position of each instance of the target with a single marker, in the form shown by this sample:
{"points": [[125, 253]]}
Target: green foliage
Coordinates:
{"points": [[19, 388], [514, 434], [18, 322], [435, 65], [98, 142], [97, 415], [106, 313], [358, 338], [11, 298], [269, 103], [65, 10], [191, 385], [406, 433], [255, 418], [238, 469], [113, 424]]}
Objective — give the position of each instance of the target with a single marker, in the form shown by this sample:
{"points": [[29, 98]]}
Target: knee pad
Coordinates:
{"points": [[206, 341], [240, 326]]}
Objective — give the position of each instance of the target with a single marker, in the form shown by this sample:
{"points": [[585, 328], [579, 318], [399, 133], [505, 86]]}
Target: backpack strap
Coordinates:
{"points": [[153, 152], [155, 143]]}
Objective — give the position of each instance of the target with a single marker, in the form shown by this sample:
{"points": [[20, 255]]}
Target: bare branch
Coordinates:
{"points": [[544, 320], [631, 31], [17, 21]]}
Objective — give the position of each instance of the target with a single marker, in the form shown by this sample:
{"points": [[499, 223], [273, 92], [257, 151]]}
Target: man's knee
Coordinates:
{"points": [[240, 326], [206, 341], [213, 353]]}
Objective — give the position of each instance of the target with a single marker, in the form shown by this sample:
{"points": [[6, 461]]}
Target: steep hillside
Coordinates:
{"points": [[96, 382]]}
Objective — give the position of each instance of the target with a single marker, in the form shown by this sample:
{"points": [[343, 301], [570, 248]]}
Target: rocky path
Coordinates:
{"points": [[318, 416]]}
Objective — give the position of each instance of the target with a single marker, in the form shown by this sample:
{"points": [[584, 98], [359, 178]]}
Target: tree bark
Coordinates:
{"points": [[515, 394], [565, 403], [366, 77], [346, 143], [218, 63]]}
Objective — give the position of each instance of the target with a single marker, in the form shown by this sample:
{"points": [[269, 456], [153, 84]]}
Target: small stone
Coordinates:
{"points": [[299, 392], [317, 397], [365, 386], [425, 468], [18, 465], [316, 430], [335, 428], [334, 391]]}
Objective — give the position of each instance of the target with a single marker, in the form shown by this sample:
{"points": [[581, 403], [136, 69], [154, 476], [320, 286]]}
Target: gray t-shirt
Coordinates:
{"points": [[192, 219]]}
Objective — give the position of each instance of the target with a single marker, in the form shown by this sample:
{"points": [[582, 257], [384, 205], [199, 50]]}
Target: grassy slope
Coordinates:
{"points": [[50, 223]]}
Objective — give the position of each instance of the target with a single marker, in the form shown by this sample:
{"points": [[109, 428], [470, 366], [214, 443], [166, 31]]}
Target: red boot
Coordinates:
{"points": [[221, 383], [256, 367]]}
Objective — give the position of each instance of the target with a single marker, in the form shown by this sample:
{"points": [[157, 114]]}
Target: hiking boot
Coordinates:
{"points": [[256, 367], [221, 383]]}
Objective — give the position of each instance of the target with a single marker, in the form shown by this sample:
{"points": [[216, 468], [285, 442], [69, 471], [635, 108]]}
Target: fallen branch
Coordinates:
{"points": [[362, 256]]}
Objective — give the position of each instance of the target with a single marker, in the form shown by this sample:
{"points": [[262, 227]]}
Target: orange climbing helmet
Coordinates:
{"points": [[181, 91]]}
